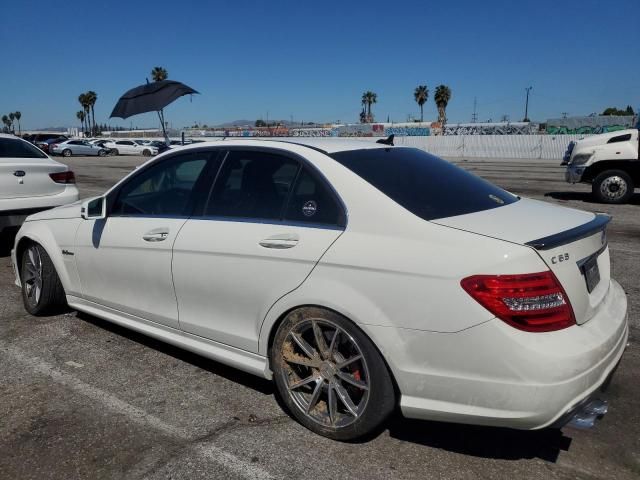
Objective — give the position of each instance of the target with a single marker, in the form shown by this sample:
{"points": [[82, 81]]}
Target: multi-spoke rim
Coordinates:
{"points": [[614, 187], [33, 276], [325, 372]]}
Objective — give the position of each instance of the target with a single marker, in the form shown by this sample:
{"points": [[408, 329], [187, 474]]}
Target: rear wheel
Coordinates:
{"points": [[330, 375], [146, 153], [613, 186], [42, 291], [66, 152]]}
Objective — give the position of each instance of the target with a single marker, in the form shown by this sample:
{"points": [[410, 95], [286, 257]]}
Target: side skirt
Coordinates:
{"points": [[234, 357]]}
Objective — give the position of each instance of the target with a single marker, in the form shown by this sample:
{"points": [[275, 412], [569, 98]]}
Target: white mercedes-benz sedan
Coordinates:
{"points": [[360, 276], [30, 181]]}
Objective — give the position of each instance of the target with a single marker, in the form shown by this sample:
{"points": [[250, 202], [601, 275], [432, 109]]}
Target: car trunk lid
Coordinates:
{"points": [[29, 177], [572, 243]]}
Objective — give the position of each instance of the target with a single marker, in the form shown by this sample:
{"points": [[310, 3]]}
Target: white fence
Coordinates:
{"points": [[492, 146]]}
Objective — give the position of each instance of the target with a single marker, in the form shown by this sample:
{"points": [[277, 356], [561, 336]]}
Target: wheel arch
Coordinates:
{"points": [[269, 337], [47, 241]]}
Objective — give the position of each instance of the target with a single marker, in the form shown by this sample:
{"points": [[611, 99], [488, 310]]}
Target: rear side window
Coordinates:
{"points": [[252, 185], [10, 148], [312, 201], [427, 186]]}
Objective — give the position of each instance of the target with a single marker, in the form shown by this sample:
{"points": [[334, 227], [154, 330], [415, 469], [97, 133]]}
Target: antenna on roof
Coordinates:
{"points": [[386, 141]]}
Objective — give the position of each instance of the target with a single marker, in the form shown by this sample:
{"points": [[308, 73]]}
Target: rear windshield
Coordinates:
{"points": [[10, 148], [427, 186]]}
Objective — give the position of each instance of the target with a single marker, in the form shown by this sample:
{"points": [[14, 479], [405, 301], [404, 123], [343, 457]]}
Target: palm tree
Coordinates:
{"points": [[80, 116], [368, 99], [421, 94], [158, 74], [12, 117], [92, 97], [83, 98], [7, 123], [442, 97], [18, 115]]}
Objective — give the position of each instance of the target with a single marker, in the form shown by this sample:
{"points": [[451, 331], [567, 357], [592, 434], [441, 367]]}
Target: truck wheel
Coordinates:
{"points": [[613, 186]]}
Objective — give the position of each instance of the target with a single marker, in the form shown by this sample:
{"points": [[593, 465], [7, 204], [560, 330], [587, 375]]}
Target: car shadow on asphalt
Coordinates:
{"points": [[585, 197], [480, 441], [251, 381]]}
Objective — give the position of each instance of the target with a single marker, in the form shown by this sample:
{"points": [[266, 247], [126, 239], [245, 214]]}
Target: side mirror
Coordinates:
{"points": [[94, 209]]}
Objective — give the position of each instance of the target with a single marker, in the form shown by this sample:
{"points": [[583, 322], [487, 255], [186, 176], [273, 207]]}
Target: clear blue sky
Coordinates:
{"points": [[313, 60]]}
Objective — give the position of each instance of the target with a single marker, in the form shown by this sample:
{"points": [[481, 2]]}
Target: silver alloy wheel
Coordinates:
{"points": [[33, 276], [325, 372], [613, 187], [66, 153]]}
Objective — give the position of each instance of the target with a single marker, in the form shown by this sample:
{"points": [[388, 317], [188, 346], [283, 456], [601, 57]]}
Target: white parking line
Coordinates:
{"points": [[135, 414]]}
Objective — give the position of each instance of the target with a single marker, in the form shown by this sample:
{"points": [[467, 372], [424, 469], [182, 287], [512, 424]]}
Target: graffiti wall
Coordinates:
{"points": [[589, 125], [351, 130]]}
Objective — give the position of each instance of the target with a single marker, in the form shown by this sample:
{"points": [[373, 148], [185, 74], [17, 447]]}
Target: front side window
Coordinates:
{"points": [[427, 186], [165, 189], [252, 185], [10, 148]]}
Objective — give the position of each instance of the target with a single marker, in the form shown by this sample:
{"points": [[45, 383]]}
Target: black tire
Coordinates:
{"points": [[114, 151], [613, 186], [66, 153], [146, 153], [102, 153], [52, 299], [320, 403]]}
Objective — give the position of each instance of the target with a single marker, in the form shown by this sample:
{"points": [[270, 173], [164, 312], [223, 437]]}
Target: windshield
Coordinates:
{"points": [[426, 185]]}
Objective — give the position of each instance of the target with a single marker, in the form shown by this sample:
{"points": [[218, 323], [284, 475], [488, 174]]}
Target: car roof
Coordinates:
{"points": [[325, 145]]}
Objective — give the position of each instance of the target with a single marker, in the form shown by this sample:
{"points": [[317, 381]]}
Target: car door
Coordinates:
{"points": [[267, 222], [124, 261]]}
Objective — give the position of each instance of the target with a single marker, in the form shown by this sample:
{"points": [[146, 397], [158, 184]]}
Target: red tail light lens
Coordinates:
{"points": [[534, 302], [63, 177]]}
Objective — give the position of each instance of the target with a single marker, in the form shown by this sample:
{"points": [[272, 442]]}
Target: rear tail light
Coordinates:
{"points": [[534, 302], [63, 177]]}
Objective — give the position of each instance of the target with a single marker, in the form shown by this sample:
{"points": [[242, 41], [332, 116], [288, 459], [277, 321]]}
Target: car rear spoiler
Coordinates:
{"points": [[582, 231]]}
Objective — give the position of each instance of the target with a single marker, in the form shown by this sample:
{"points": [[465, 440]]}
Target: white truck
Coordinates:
{"points": [[610, 162]]}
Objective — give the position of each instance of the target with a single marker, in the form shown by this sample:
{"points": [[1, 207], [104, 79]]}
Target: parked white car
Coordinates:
{"points": [[130, 147], [30, 181], [359, 276]]}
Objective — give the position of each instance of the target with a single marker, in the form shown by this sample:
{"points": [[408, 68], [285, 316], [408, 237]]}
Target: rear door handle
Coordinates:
{"points": [[287, 240], [156, 235]]}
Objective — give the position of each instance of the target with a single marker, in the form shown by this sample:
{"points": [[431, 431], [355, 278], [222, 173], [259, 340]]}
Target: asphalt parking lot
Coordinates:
{"points": [[81, 398]]}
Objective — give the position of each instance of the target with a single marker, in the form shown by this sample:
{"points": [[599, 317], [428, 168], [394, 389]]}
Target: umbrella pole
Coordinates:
{"points": [[164, 131]]}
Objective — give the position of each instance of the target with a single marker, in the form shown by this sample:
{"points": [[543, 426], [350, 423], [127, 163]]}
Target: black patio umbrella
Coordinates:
{"points": [[151, 97]]}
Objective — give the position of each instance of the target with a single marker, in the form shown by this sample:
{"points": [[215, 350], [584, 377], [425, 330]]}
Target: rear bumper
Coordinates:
{"points": [[13, 211], [496, 375]]}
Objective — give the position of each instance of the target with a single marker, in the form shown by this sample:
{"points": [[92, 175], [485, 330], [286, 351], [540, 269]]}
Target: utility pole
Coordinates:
{"points": [[526, 105], [474, 117]]}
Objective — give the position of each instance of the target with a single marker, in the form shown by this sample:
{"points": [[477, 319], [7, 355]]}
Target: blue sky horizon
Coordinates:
{"points": [[312, 62]]}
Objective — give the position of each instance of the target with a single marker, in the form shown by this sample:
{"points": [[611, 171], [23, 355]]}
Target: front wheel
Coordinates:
{"points": [[102, 153], [66, 152], [42, 291], [613, 186], [146, 153], [330, 375]]}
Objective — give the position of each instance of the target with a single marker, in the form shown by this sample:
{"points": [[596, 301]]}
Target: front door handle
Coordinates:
{"points": [[287, 240], [156, 235]]}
